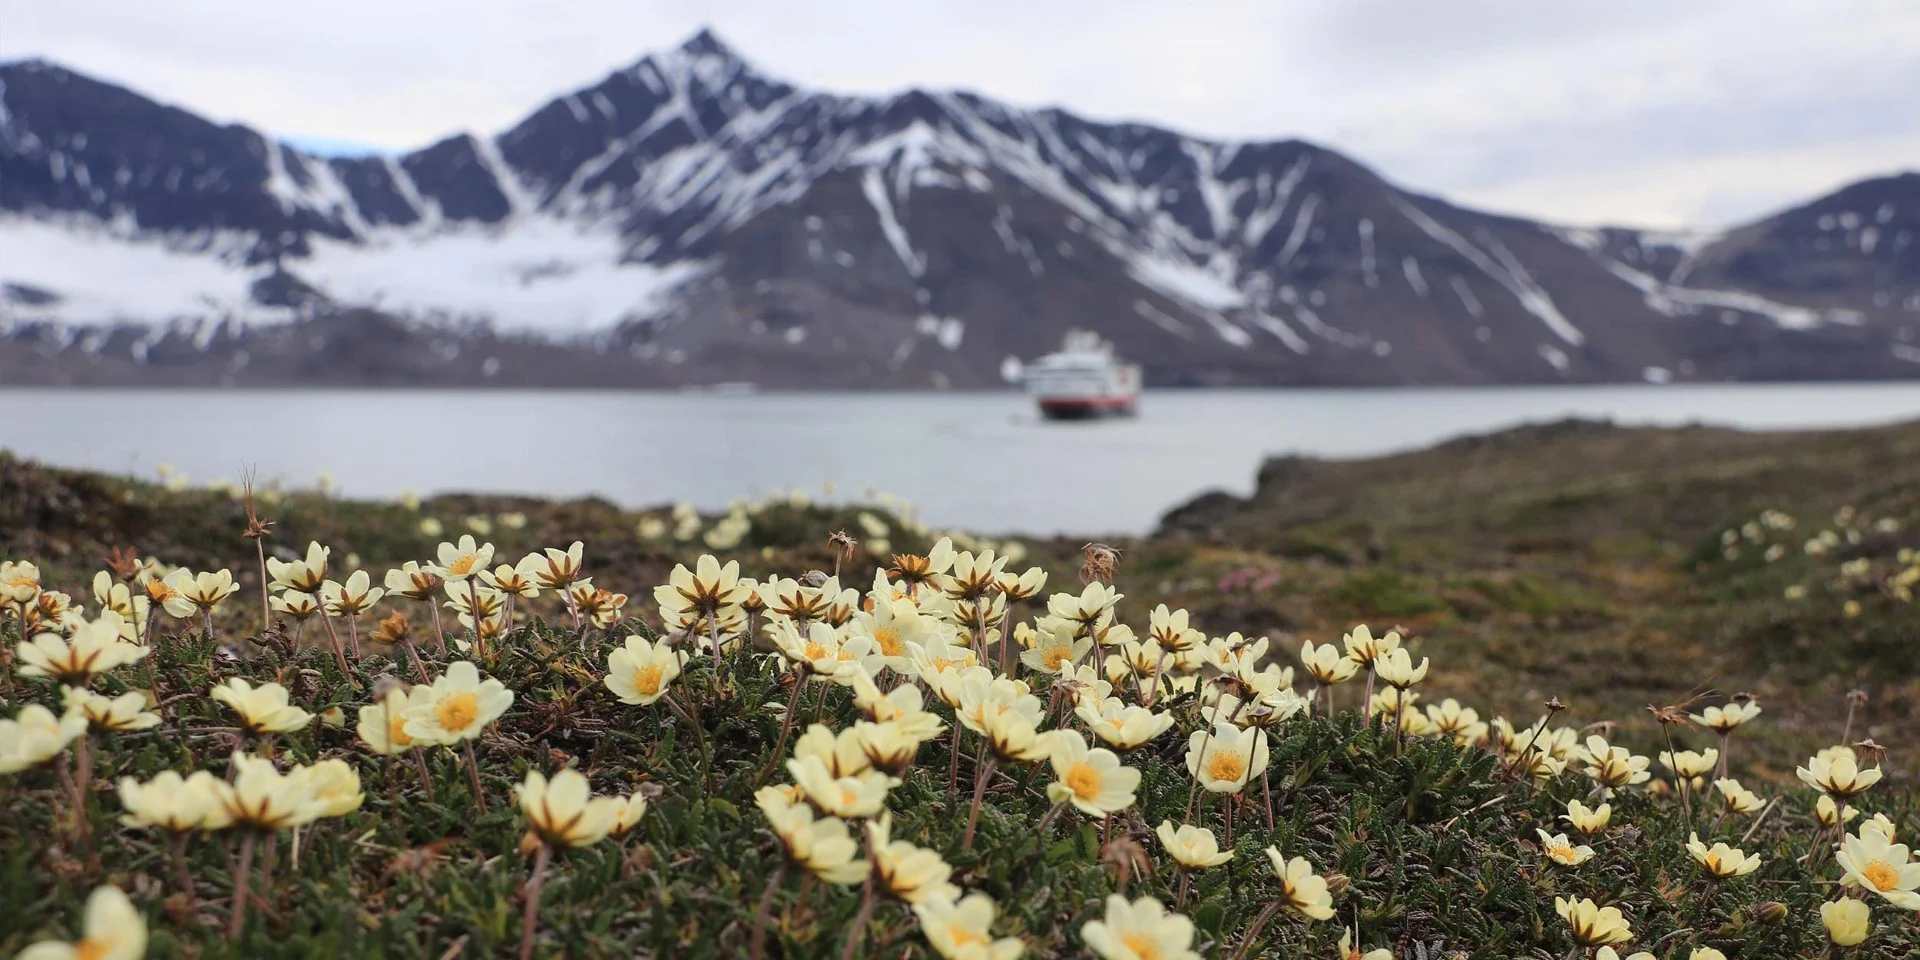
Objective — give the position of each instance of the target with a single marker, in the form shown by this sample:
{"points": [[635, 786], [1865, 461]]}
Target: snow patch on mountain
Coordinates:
{"points": [[106, 273], [539, 275]]}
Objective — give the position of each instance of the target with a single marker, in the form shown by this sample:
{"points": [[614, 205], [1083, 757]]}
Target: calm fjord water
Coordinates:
{"points": [[983, 461]]}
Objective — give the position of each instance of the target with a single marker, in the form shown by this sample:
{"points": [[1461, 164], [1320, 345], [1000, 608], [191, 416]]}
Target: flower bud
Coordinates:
{"points": [[1772, 911], [1336, 882]]}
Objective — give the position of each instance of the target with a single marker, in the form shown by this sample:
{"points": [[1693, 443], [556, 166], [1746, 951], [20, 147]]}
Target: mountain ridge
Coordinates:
{"points": [[688, 219]]}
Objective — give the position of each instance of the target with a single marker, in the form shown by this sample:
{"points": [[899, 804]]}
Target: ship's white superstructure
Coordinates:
{"points": [[1083, 379]]}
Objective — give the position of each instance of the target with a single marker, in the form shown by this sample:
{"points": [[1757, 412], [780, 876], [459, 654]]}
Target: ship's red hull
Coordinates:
{"points": [[1084, 408]]}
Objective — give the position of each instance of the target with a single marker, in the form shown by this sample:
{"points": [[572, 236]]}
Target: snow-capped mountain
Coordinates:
{"points": [[691, 220]]}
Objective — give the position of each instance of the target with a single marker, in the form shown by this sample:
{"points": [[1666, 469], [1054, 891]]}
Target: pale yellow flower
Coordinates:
{"points": [[1094, 781], [1611, 766], [1056, 647], [1690, 764], [304, 575], [1592, 924], [1225, 760], [127, 711], [208, 588], [263, 798], [299, 606], [1847, 921], [1193, 848], [1556, 847], [1871, 861], [710, 591], [1364, 648], [1587, 820], [36, 735], [415, 582], [1724, 719], [334, 786], [1838, 775], [173, 803], [114, 930], [352, 598], [1738, 798], [563, 811], [639, 672], [1350, 952], [1094, 602], [1122, 725], [823, 847], [457, 562], [1395, 668], [1141, 929], [890, 746], [1169, 628], [1303, 890], [383, 726], [94, 648], [1720, 860], [963, 930], [631, 809], [851, 796], [912, 874], [457, 707], [263, 709], [1828, 812]]}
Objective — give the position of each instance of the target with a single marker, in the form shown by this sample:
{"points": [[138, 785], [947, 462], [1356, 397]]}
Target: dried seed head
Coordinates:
{"points": [[1856, 698], [1554, 705], [843, 543], [124, 562], [1102, 562], [1869, 751]]}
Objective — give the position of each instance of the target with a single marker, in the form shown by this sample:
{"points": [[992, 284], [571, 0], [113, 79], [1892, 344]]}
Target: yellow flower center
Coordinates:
{"points": [[463, 566], [1142, 945], [1226, 765], [848, 797], [647, 679], [1712, 862], [963, 935], [1562, 852], [888, 640], [397, 730], [1083, 780], [92, 948], [1054, 657], [815, 651], [1881, 874], [457, 712]]}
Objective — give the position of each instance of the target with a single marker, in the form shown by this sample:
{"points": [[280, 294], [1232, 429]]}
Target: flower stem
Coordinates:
{"points": [[439, 635], [426, 776], [239, 912], [759, 941], [859, 925], [1253, 933], [530, 914], [473, 770], [981, 774], [177, 849], [786, 724]]}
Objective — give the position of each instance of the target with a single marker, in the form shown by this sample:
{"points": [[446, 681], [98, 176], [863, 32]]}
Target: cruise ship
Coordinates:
{"points": [[1083, 379]]}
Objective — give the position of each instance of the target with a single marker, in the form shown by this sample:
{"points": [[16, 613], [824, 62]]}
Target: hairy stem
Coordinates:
{"points": [[530, 914]]}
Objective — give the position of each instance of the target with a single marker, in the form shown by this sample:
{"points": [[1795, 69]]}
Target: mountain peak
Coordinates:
{"points": [[706, 43]]}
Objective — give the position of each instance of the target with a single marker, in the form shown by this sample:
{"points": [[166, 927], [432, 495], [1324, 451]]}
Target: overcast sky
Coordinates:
{"points": [[1667, 113]]}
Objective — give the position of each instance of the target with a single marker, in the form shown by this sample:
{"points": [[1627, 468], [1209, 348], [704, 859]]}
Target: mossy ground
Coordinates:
{"points": [[1578, 562]]}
